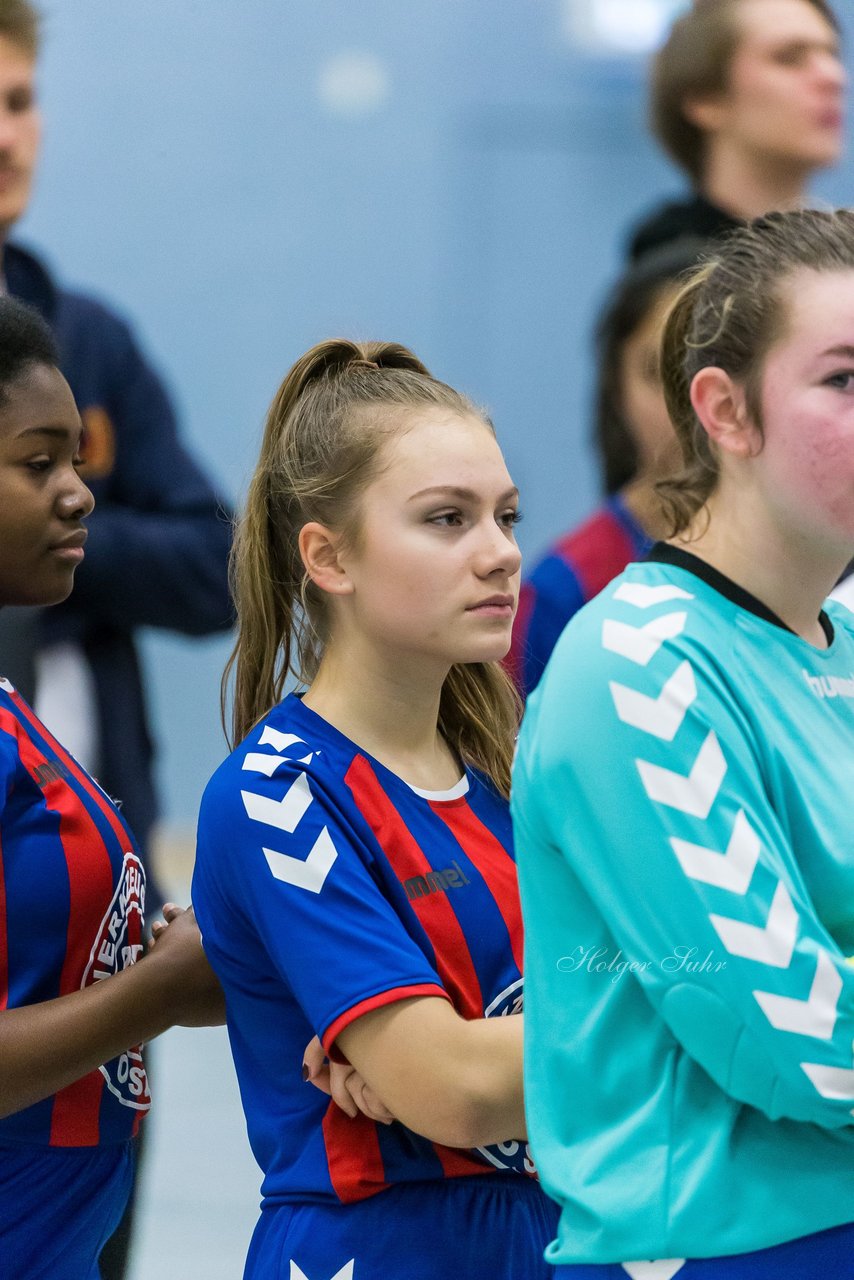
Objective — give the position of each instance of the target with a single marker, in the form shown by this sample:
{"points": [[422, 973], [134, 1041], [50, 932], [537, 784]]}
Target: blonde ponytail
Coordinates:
{"points": [[322, 447]]}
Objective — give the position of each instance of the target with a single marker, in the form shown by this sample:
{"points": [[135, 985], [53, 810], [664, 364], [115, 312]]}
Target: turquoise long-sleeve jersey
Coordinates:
{"points": [[683, 800]]}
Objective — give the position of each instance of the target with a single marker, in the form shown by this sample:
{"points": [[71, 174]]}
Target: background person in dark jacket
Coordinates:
{"points": [[159, 539], [159, 542], [747, 97]]}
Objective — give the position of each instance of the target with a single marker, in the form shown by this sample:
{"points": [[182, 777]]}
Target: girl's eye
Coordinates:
{"points": [[844, 380], [447, 518], [39, 464], [510, 518]]}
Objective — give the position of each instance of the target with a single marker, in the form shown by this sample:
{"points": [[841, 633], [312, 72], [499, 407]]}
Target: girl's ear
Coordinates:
{"points": [[319, 548], [721, 405]]}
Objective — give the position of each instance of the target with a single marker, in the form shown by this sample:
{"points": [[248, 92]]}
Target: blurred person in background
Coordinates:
{"points": [[158, 541], [747, 97], [636, 447]]}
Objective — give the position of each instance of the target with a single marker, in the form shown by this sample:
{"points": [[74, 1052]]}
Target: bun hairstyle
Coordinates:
{"points": [[728, 315], [323, 445]]}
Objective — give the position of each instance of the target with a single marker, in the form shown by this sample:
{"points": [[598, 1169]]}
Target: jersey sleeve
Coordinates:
{"points": [[548, 599], [638, 768], [304, 876]]}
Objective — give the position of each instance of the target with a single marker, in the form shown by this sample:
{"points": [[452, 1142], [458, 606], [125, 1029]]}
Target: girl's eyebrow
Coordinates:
{"points": [[61, 433], [466, 495]]}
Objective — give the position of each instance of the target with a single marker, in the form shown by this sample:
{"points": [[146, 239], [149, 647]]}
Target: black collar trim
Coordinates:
{"points": [[664, 553]]}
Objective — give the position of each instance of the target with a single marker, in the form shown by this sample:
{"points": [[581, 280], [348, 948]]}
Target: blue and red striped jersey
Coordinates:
{"points": [[325, 887], [574, 570], [72, 897]]}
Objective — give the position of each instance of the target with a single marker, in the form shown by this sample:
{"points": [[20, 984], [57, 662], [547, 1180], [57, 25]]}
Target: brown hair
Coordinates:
{"points": [[323, 444], [19, 24], [643, 287], [728, 315], [694, 62]]}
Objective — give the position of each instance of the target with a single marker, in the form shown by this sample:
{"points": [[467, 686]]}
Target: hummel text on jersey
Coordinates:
{"points": [[453, 877], [831, 686]]}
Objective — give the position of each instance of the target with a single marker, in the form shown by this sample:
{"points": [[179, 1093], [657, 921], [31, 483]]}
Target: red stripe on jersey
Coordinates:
{"points": [[4, 945], [457, 1164], [353, 1155], [76, 1113], [75, 1116], [90, 787], [374, 1002], [493, 862], [597, 551], [434, 911]]}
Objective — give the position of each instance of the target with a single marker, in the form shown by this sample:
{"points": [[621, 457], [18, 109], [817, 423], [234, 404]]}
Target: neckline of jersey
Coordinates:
{"points": [[665, 553], [453, 794]]}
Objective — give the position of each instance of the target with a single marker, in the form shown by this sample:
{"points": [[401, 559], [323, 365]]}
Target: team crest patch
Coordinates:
{"points": [[117, 945], [513, 1156]]}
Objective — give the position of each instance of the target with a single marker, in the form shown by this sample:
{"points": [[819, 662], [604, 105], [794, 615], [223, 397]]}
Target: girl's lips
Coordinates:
{"points": [[74, 554], [500, 607]]}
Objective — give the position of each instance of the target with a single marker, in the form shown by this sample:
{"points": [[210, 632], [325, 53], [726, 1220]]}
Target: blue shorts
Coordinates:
{"points": [[461, 1229], [58, 1207], [827, 1255]]}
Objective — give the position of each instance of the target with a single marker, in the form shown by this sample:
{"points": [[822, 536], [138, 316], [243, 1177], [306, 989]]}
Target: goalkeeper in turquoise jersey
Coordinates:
{"points": [[683, 799]]}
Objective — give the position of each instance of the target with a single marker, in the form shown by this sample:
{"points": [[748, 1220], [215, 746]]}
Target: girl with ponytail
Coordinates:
{"points": [[355, 878], [683, 804]]}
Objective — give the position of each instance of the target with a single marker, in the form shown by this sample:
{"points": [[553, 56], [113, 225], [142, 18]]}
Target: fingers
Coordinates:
{"points": [[366, 1100], [338, 1076], [313, 1059], [343, 1084]]}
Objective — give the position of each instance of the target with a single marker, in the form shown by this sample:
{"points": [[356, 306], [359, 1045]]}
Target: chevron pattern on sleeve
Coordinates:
{"points": [[694, 793]]}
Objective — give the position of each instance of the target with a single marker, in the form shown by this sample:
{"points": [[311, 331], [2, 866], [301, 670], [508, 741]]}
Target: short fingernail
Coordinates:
{"points": [[305, 1071]]}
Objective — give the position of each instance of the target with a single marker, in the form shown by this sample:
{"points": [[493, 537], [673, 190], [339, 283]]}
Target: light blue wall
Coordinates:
{"points": [[193, 175]]}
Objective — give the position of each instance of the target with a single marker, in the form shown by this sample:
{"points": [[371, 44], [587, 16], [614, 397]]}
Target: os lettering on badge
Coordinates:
{"points": [[118, 943], [512, 1156]]}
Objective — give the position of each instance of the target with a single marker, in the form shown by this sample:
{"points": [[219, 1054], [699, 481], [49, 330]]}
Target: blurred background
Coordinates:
{"points": [[243, 179]]}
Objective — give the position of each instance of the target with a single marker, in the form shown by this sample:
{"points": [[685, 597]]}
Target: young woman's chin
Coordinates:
{"points": [[39, 594]]}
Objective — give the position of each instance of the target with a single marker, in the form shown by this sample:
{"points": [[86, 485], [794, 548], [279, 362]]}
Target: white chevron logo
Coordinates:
{"points": [[815, 1016], [641, 644], [642, 596], [772, 943], [264, 762], [310, 873], [732, 870], [694, 794], [281, 741], [284, 813], [831, 1082], [661, 716], [345, 1273], [661, 1270]]}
